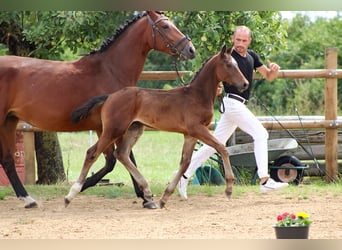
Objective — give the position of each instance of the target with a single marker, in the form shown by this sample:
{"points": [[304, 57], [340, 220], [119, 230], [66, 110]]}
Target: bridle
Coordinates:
{"points": [[174, 48]]}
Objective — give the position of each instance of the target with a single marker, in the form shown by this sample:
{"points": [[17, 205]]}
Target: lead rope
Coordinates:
{"points": [[308, 142], [294, 137], [221, 108], [175, 60]]}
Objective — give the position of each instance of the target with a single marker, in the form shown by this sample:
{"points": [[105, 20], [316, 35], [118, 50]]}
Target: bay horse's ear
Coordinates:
{"points": [[150, 12]]}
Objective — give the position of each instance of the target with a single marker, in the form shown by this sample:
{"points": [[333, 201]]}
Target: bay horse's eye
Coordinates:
{"points": [[165, 26]]}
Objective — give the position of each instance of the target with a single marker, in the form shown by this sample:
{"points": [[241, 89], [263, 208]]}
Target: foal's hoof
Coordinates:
{"points": [[31, 205], [66, 202], [162, 204], [229, 194], [150, 205]]}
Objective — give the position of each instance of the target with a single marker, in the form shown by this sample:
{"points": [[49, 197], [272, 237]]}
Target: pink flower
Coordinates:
{"points": [[280, 217]]}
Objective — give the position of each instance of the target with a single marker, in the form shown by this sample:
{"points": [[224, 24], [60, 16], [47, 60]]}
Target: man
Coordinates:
{"points": [[238, 115]]}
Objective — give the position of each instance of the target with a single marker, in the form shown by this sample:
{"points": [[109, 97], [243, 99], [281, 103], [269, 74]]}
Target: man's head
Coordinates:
{"points": [[242, 38]]}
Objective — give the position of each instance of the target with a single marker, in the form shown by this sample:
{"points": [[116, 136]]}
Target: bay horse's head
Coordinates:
{"points": [[229, 71], [168, 38]]}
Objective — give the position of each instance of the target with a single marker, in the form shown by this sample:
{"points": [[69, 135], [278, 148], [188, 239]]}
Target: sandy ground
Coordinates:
{"points": [[249, 216]]}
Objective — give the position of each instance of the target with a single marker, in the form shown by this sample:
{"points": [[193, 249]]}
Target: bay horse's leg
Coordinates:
{"points": [[7, 149], [124, 147], [109, 166], [188, 148]]}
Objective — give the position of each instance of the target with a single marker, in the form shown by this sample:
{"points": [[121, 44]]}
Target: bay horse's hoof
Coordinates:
{"points": [[66, 202], [31, 205], [150, 205]]}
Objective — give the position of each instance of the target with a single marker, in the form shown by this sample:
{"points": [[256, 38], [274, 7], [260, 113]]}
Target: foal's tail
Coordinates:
{"points": [[83, 111]]}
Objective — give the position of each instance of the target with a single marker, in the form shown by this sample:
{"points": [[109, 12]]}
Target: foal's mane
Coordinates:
{"points": [[198, 71], [109, 41]]}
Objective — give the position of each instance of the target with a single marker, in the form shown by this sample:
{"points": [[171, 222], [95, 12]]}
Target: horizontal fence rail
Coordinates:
{"points": [[330, 122]]}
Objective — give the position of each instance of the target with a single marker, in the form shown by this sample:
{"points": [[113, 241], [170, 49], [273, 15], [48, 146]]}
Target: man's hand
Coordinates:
{"points": [[273, 66], [219, 90]]}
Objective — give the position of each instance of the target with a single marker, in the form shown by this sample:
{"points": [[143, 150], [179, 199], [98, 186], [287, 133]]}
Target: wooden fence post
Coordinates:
{"points": [[331, 135], [30, 170]]}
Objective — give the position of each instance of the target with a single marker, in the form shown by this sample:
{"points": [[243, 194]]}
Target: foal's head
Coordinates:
{"points": [[228, 70], [168, 38]]}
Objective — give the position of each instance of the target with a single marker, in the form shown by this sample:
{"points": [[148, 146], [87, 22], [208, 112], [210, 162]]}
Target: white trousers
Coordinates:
{"points": [[236, 115]]}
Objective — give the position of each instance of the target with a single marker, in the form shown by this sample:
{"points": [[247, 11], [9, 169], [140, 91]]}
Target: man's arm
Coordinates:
{"points": [[270, 72]]}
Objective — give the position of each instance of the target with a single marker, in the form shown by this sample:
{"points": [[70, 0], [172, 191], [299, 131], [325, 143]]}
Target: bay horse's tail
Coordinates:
{"points": [[83, 111]]}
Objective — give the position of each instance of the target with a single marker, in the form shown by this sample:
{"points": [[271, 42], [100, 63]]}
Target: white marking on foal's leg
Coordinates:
{"points": [[74, 190]]}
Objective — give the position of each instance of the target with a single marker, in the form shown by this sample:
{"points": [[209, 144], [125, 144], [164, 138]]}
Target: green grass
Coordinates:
{"points": [[157, 154]]}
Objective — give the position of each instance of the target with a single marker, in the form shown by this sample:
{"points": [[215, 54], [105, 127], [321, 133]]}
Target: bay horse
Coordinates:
{"points": [[44, 93], [186, 109]]}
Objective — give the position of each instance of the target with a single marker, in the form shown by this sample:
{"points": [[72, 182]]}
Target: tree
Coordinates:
{"points": [[209, 30], [306, 42]]}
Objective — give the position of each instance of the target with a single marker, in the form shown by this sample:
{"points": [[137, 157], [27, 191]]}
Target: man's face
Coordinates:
{"points": [[241, 41]]}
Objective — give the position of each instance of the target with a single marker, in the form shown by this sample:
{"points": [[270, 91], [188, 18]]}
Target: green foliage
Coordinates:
{"points": [[306, 44], [209, 30], [52, 32]]}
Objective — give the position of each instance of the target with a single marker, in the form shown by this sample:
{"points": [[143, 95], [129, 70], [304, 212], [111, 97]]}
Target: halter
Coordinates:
{"points": [[173, 47]]}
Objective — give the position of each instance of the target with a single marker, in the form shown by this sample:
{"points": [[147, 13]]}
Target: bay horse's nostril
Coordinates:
{"points": [[192, 52]]}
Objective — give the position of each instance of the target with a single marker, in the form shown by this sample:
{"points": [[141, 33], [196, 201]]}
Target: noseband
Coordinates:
{"points": [[173, 47]]}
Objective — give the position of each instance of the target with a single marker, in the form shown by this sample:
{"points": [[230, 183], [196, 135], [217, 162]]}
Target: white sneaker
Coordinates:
{"points": [[182, 186], [272, 185]]}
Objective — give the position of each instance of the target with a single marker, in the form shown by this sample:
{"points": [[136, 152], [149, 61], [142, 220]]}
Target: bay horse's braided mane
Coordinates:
{"points": [[109, 41]]}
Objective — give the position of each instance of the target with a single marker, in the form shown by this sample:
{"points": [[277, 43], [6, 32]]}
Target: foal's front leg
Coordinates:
{"points": [[188, 147], [228, 172], [205, 136]]}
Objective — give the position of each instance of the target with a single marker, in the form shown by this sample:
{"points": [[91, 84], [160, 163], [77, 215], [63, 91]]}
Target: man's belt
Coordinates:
{"points": [[238, 98]]}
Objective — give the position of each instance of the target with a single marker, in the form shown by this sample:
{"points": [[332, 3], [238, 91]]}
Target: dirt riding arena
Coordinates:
{"points": [[247, 216]]}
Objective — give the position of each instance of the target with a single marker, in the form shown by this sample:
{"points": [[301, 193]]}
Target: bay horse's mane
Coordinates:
{"points": [[109, 41]]}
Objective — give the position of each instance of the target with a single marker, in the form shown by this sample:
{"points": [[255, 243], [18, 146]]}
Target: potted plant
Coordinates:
{"points": [[293, 225]]}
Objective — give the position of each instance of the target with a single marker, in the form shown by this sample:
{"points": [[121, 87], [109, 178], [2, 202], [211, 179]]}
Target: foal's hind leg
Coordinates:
{"points": [[109, 166], [124, 146], [91, 156], [188, 147]]}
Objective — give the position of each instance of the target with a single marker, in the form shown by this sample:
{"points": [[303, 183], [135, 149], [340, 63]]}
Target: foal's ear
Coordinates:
{"points": [[223, 50]]}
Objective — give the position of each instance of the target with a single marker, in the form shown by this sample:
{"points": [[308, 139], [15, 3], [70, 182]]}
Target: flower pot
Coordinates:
{"points": [[296, 232]]}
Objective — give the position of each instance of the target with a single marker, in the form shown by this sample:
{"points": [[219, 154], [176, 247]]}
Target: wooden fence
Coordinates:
{"points": [[330, 123]]}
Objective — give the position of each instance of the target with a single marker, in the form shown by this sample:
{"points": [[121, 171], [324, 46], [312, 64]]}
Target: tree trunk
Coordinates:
{"points": [[49, 158]]}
